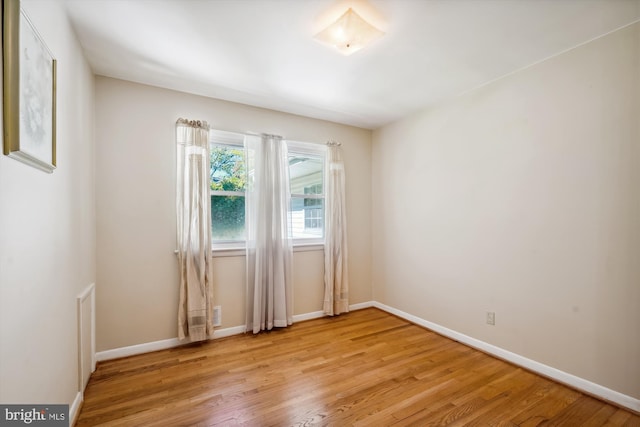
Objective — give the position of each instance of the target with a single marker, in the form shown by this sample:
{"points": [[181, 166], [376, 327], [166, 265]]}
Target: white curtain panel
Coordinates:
{"points": [[336, 277], [195, 311], [269, 246]]}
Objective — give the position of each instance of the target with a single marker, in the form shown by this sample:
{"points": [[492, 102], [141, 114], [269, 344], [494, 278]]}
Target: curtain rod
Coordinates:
{"points": [[330, 142], [250, 133], [193, 123]]}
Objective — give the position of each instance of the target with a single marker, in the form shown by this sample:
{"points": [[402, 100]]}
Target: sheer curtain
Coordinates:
{"points": [[336, 277], [195, 320], [269, 246]]}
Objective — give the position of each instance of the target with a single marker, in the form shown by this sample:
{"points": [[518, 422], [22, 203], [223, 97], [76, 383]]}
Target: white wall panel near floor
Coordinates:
{"points": [[86, 308]]}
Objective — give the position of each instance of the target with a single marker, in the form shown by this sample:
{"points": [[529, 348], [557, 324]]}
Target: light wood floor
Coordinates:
{"points": [[363, 368]]}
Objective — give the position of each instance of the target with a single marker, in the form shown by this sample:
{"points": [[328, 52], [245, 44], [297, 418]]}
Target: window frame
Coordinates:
{"points": [[311, 150], [222, 248], [226, 139]]}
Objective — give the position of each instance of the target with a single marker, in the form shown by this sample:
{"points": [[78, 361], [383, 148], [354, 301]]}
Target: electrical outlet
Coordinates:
{"points": [[217, 315], [491, 318]]}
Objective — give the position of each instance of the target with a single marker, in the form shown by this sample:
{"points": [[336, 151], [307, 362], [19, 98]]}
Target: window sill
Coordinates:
{"points": [[235, 252], [308, 247], [227, 252]]}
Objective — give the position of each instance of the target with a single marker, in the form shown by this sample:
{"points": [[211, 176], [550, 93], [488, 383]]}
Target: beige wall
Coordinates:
{"points": [[523, 198], [137, 288], [47, 236]]}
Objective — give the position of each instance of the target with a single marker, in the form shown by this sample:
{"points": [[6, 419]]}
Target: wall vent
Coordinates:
{"points": [[217, 315]]}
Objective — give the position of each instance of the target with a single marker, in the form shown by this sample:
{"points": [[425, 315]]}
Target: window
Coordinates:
{"points": [[228, 177], [306, 174], [228, 181]]}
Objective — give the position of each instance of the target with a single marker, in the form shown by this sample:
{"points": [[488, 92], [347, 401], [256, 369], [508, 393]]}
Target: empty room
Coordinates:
{"points": [[320, 212]]}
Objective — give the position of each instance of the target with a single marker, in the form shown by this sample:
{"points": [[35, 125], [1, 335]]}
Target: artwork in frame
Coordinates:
{"points": [[29, 86]]}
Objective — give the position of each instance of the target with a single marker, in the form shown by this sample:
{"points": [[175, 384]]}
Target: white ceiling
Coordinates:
{"points": [[261, 52]]}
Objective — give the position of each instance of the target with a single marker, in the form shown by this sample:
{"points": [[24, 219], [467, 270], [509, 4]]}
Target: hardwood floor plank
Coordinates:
{"points": [[601, 417], [363, 368], [553, 400], [577, 412]]}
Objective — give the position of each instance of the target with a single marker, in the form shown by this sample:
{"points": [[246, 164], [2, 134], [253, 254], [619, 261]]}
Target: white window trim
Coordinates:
{"points": [[222, 248], [310, 149], [307, 148], [307, 196], [227, 193], [221, 252], [228, 139]]}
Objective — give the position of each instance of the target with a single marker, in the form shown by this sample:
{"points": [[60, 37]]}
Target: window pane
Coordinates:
{"points": [[307, 218], [227, 217], [305, 173], [228, 171]]}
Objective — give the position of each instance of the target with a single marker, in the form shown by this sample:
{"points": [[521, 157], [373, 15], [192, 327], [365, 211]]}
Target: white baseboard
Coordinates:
{"points": [[308, 316], [148, 347], [318, 314], [361, 305], [133, 350], [74, 409], [540, 368], [227, 332]]}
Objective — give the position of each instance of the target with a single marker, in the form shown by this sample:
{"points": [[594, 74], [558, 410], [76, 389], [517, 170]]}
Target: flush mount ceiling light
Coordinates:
{"points": [[349, 33]]}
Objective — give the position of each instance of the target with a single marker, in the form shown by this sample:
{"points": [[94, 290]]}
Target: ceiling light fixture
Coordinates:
{"points": [[349, 33]]}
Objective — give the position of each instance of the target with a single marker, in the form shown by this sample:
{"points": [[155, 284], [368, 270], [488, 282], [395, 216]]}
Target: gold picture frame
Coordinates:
{"points": [[29, 85]]}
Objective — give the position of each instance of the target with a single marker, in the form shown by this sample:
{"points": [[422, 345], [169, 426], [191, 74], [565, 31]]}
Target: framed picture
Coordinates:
{"points": [[29, 84]]}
